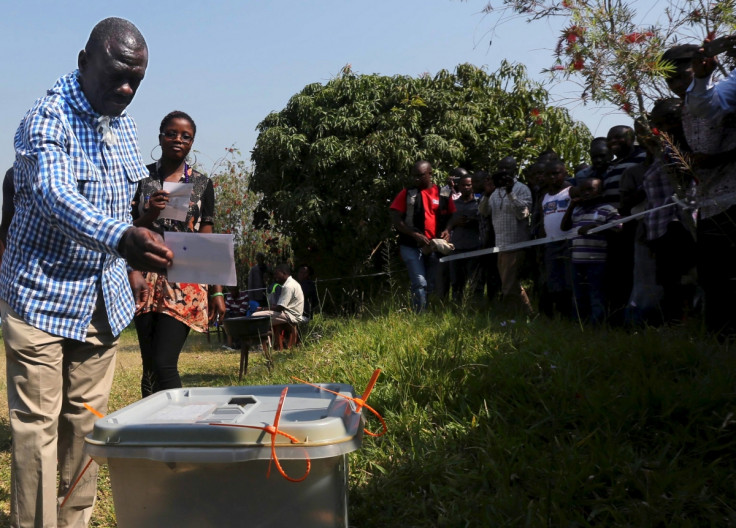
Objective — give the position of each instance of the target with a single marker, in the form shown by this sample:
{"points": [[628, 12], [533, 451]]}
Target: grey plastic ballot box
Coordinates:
{"points": [[170, 466]]}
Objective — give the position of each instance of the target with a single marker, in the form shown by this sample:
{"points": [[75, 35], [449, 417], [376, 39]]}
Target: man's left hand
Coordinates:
{"points": [[140, 289]]}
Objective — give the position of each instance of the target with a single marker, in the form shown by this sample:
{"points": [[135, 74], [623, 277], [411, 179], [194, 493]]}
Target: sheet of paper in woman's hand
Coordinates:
{"points": [[178, 204], [203, 258]]}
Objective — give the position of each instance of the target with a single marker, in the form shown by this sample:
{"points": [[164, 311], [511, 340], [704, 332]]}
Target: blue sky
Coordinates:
{"points": [[229, 63]]}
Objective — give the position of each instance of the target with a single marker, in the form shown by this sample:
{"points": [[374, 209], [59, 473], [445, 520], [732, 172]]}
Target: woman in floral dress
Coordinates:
{"points": [[172, 309]]}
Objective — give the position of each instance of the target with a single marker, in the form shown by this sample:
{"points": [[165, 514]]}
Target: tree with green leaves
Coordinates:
{"points": [[236, 214], [329, 163], [614, 51]]}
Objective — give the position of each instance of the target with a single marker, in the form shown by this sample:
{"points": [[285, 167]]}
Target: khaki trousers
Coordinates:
{"points": [[50, 378], [509, 265]]}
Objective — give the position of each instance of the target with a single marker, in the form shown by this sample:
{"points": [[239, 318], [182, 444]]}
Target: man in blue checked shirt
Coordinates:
{"points": [[65, 293]]}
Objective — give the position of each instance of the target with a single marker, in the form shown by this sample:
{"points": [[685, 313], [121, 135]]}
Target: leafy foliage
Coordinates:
{"points": [[329, 163], [236, 214], [611, 52]]}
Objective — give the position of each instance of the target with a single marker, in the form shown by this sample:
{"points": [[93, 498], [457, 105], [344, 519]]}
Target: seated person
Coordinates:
{"points": [[236, 305], [236, 302], [290, 304], [273, 291]]}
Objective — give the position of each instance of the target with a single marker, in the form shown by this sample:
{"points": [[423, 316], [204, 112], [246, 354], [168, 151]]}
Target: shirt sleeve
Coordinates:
{"points": [[521, 200], [484, 206], [55, 187], [712, 100], [399, 202]]}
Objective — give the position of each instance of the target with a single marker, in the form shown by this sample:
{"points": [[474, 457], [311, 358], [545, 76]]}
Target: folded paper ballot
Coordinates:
{"points": [[203, 258], [178, 204]]}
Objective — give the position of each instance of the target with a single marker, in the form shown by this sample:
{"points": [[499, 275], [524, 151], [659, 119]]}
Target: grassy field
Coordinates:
{"points": [[502, 423]]}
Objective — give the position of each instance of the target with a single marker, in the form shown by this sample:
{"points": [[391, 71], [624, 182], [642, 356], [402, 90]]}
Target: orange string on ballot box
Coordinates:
{"points": [[359, 402]]}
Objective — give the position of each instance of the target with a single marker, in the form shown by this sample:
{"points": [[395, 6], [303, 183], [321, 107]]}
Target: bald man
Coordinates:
{"points": [[65, 293], [416, 213]]}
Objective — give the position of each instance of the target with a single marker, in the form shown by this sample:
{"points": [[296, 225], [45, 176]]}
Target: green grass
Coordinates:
{"points": [[525, 424]]}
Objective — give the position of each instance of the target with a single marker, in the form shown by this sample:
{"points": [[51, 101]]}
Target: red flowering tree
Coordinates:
{"points": [[236, 214], [611, 52]]}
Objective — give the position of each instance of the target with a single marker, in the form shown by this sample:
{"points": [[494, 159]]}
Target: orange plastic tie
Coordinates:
{"points": [[273, 430], [69, 493], [359, 402], [93, 411]]}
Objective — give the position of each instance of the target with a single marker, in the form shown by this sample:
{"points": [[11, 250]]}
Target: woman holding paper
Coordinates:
{"points": [[172, 309]]}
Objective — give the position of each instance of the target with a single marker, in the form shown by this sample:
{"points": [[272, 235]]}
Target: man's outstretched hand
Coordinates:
{"points": [[145, 250]]}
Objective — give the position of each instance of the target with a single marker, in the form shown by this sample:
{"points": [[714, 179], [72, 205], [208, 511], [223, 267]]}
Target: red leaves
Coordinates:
{"points": [[578, 64], [626, 107], [619, 89], [535, 112]]}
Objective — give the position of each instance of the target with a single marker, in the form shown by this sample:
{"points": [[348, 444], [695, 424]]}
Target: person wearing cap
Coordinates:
{"points": [[714, 103], [509, 207]]}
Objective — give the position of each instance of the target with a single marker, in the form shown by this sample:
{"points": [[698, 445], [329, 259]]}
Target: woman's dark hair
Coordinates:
{"points": [[176, 114]]}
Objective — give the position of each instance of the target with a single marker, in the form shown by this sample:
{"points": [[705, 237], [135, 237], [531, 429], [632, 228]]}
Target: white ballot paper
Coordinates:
{"points": [[202, 258], [178, 204]]}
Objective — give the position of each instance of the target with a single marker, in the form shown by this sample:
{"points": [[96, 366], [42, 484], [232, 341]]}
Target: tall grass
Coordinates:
{"points": [[500, 423]]}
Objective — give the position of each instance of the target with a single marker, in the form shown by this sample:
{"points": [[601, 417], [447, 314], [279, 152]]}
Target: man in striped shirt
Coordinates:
{"points": [[65, 294]]}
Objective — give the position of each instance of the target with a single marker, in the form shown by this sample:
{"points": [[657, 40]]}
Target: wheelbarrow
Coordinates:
{"points": [[248, 330]]}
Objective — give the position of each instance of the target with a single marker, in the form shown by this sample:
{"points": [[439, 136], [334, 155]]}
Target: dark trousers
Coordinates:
{"points": [[588, 283], [555, 290], [464, 272], [619, 278], [717, 270], [161, 338], [674, 254], [489, 275]]}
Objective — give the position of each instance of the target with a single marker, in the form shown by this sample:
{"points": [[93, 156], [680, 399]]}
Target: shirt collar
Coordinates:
{"points": [[69, 88]]}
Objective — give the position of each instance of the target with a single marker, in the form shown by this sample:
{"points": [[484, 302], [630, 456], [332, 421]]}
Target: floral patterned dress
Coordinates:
{"points": [[185, 302]]}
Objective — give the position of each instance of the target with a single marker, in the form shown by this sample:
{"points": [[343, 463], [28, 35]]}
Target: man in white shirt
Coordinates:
{"points": [[290, 305], [556, 291]]}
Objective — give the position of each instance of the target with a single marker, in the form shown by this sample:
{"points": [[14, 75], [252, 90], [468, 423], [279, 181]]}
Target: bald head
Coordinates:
{"points": [[112, 65], [115, 28], [422, 174]]}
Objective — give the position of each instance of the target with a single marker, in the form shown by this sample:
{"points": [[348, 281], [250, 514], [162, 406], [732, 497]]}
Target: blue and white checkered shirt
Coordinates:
{"points": [[72, 204]]}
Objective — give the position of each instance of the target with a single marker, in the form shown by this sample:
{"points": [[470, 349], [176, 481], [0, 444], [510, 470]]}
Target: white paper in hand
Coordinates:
{"points": [[202, 258], [178, 204]]}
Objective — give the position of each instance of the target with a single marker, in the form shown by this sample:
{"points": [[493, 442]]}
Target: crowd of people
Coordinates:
{"points": [[662, 191]]}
